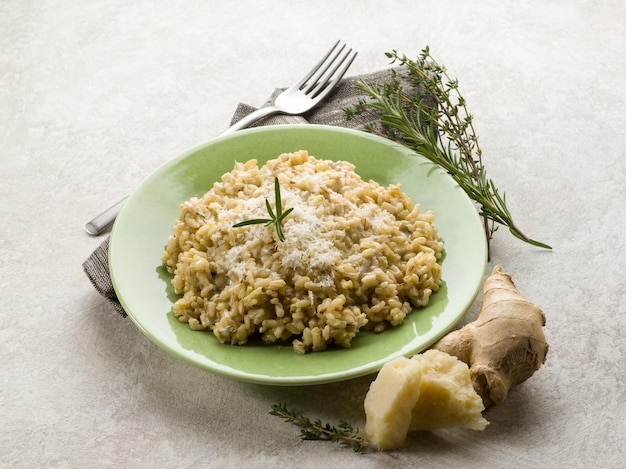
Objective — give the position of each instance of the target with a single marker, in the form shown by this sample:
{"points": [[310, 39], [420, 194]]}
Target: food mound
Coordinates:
{"points": [[355, 255]]}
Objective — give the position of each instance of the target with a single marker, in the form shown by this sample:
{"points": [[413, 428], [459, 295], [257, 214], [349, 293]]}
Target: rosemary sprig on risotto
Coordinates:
{"points": [[276, 219], [344, 432], [434, 121]]}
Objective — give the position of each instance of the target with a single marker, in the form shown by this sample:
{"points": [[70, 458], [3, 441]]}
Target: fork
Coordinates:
{"points": [[308, 92], [298, 99]]}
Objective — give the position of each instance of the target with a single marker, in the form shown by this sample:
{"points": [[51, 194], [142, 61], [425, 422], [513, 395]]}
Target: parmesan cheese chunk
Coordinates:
{"points": [[389, 402], [446, 396], [429, 391]]}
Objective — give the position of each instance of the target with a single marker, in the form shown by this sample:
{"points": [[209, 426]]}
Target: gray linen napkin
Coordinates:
{"points": [[329, 113]]}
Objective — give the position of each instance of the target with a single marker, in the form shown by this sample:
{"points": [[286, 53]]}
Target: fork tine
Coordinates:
{"points": [[323, 87], [306, 78], [321, 70]]}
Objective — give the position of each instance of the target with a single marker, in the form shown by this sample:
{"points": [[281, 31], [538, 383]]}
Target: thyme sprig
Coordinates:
{"points": [[276, 219], [433, 120], [344, 432]]}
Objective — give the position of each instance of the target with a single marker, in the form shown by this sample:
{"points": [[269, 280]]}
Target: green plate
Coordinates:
{"points": [[146, 220]]}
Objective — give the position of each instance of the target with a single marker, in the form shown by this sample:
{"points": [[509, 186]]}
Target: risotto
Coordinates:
{"points": [[356, 255]]}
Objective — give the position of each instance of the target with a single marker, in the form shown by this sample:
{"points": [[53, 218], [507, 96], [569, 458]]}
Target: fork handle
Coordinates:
{"points": [[251, 118], [103, 221]]}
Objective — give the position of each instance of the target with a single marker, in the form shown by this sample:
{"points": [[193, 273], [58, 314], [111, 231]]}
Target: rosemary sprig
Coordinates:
{"points": [[434, 121], [276, 219], [344, 432]]}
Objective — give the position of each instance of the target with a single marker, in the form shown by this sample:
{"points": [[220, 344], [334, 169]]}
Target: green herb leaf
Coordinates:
{"points": [[284, 214], [269, 210], [277, 198], [254, 221]]}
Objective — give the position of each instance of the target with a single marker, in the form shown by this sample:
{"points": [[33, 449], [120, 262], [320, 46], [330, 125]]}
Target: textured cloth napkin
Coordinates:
{"points": [[330, 112]]}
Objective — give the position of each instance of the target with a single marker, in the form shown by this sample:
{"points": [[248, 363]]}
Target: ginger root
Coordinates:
{"points": [[505, 345]]}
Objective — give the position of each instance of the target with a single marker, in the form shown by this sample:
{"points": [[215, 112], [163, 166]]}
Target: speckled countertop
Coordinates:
{"points": [[95, 95]]}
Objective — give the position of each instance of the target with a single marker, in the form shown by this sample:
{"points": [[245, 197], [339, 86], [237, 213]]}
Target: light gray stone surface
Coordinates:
{"points": [[95, 95]]}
